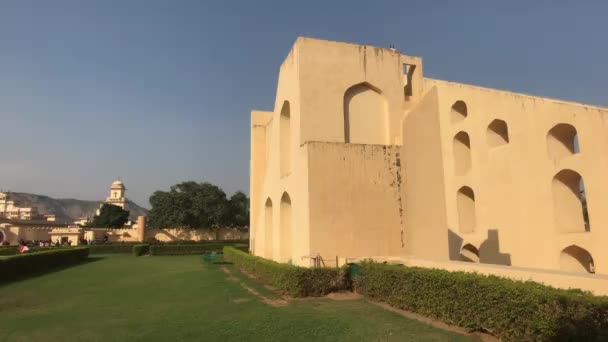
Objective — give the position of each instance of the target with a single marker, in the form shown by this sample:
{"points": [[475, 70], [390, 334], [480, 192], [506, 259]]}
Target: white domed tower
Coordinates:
{"points": [[117, 194]]}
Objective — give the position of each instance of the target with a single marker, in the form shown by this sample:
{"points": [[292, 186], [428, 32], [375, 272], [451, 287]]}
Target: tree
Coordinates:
{"points": [[198, 205], [238, 210], [111, 216]]}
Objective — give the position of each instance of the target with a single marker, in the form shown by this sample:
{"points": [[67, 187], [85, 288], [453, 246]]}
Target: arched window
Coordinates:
{"points": [[497, 133], [268, 229], [469, 253], [562, 141], [570, 202], [462, 153], [286, 235], [465, 201], [459, 111], [285, 139], [576, 259], [365, 115]]}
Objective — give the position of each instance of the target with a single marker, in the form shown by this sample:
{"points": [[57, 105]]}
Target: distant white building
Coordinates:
{"points": [[11, 210]]}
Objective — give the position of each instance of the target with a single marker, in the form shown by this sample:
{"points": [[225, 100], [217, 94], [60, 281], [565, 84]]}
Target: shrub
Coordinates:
{"points": [[139, 250], [511, 310], [292, 280], [38, 262], [9, 250], [111, 248], [185, 249]]}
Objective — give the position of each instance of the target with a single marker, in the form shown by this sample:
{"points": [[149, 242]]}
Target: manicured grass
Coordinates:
{"points": [[124, 298]]}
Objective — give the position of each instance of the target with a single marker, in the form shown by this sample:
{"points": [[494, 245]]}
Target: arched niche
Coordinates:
{"points": [[365, 115], [462, 153], [285, 139], [469, 253], [458, 111], [286, 227], [268, 229], [497, 133], [570, 202], [465, 203], [562, 141], [576, 259]]}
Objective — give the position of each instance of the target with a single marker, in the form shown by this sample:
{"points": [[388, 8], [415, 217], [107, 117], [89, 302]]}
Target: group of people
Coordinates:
{"points": [[45, 243]]}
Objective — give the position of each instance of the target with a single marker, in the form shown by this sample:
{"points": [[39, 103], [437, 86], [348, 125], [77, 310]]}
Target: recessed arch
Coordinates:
{"points": [[459, 111], [576, 259], [462, 153], [286, 227], [465, 203], [570, 202], [285, 139], [562, 141], [268, 229], [497, 133], [469, 253], [365, 115]]}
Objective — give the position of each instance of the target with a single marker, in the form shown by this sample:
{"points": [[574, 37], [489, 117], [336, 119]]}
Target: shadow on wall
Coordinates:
{"points": [[487, 253]]}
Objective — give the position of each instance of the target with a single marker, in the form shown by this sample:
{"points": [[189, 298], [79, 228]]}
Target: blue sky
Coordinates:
{"points": [[158, 92]]}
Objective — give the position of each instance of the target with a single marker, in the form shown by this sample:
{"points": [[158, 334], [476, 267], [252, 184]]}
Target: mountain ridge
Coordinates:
{"points": [[67, 209]]}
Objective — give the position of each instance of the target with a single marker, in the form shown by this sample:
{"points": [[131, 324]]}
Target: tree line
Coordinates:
{"points": [[198, 205]]}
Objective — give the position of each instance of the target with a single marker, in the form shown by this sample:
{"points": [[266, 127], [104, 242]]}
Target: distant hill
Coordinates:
{"points": [[67, 209]]}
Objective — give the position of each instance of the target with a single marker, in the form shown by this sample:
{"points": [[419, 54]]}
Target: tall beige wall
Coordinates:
{"points": [[279, 169], [523, 216], [355, 200], [426, 233]]}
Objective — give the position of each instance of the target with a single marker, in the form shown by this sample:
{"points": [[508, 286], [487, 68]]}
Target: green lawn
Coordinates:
{"points": [[123, 298]]}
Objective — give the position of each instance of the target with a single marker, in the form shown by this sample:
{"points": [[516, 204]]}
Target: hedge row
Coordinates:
{"points": [[38, 262], [179, 242], [111, 249], [292, 280], [14, 250], [185, 249], [141, 249], [511, 310]]}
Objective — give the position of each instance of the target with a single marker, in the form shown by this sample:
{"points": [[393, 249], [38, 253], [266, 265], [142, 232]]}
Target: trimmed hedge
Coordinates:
{"points": [[111, 249], [511, 310], [292, 280], [139, 250], [39, 262], [185, 249]]}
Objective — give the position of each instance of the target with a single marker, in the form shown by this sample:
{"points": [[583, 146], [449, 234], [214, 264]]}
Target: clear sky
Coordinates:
{"points": [[158, 92]]}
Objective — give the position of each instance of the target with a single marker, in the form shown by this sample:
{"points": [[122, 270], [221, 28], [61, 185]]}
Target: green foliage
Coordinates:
{"points": [[38, 262], [237, 213], [197, 205], [111, 248], [511, 310], [141, 249], [160, 250], [292, 280], [111, 216]]}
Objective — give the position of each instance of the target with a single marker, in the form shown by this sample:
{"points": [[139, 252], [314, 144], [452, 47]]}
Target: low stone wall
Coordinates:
{"points": [[178, 234]]}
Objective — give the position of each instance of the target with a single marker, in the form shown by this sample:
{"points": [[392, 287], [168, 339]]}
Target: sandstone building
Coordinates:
{"points": [[363, 156]]}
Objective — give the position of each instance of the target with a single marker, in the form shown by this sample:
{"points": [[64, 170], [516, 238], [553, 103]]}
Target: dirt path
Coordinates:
{"points": [[273, 302]]}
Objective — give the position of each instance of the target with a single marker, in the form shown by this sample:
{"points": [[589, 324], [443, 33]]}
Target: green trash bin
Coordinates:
{"points": [[355, 270]]}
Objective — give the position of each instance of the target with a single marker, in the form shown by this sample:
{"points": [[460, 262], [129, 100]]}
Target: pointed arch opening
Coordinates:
{"points": [[459, 111], [562, 141], [286, 227], [497, 133], [268, 229], [465, 202], [285, 139], [462, 153], [469, 253], [570, 202], [365, 115], [576, 259]]}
